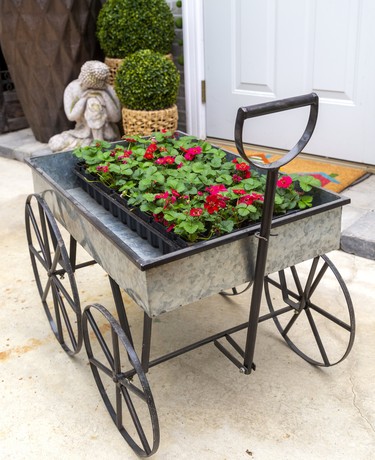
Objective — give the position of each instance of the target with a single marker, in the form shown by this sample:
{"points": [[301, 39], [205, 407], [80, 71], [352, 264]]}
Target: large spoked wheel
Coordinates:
{"points": [[53, 274], [121, 380], [312, 310]]}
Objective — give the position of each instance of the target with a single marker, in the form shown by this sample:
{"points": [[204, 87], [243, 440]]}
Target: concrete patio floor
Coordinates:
{"points": [[286, 409]]}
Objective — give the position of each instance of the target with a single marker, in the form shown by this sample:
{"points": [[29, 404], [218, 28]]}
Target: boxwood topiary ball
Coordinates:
{"points": [[126, 26], [147, 81]]}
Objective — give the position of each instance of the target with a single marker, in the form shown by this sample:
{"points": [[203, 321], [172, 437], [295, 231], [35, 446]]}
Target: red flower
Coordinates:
{"points": [[196, 212], [214, 202], [169, 160], [158, 217], [215, 189], [284, 182], [125, 154], [148, 155], [195, 150], [236, 178], [189, 156], [239, 191], [190, 153], [249, 199], [104, 169], [151, 148], [163, 196], [242, 167]]}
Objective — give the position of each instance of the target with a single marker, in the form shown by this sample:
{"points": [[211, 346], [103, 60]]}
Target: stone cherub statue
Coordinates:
{"points": [[93, 104]]}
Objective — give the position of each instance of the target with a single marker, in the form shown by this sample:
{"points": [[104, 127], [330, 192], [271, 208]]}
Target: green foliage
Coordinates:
{"points": [[188, 185], [147, 81], [126, 26]]}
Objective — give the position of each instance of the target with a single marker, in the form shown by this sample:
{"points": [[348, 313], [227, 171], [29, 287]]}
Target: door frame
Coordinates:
{"points": [[194, 74]]}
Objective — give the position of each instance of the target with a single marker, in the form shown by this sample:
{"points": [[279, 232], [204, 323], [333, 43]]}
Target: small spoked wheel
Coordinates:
{"points": [[53, 274], [121, 380], [312, 309]]}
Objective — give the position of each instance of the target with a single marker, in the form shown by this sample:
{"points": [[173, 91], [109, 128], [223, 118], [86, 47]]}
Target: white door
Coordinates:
{"points": [[263, 50]]}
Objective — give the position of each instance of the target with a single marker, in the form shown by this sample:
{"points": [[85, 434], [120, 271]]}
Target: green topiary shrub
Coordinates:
{"points": [[147, 81], [126, 26]]}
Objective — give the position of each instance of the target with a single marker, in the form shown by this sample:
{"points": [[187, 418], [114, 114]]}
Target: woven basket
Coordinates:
{"points": [[143, 122], [113, 64]]}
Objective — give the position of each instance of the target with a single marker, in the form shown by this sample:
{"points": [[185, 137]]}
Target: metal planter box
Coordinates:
{"points": [[162, 282]]}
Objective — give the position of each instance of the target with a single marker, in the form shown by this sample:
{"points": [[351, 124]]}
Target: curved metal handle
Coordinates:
{"points": [[267, 108]]}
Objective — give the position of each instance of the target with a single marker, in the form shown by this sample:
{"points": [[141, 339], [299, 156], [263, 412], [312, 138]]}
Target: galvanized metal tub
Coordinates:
{"points": [[159, 283]]}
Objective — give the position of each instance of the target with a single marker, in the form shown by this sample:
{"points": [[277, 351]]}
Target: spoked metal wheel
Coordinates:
{"points": [[53, 274], [121, 380], [312, 310]]}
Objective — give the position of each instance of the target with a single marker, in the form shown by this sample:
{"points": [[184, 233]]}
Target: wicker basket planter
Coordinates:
{"points": [[144, 122], [113, 64]]}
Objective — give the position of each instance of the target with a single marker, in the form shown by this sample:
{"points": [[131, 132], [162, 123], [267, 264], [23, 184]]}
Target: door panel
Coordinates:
{"points": [[262, 50]]}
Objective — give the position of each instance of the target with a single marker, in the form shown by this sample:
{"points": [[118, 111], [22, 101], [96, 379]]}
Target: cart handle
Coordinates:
{"points": [[267, 108]]}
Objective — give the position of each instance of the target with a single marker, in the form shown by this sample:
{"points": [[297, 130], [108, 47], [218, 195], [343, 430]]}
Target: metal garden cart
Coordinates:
{"points": [[265, 255]]}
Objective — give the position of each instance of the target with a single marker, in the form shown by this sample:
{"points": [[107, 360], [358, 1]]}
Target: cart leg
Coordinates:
{"points": [[120, 308], [323, 335], [121, 380]]}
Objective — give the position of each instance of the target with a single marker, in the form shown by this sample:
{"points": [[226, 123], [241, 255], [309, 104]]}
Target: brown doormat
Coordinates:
{"points": [[332, 176]]}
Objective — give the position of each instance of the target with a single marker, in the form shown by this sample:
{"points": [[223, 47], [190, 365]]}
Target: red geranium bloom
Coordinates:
{"points": [[236, 178], [214, 202], [151, 148], [215, 189], [196, 212], [190, 153], [284, 182], [169, 160], [189, 156], [242, 167], [163, 196], [148, 155], [211, 204], [247, 199]]}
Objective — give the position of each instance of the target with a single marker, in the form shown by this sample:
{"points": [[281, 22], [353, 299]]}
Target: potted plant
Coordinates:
{"points": [[127, 26], [45, 45], [147, 84], [193, 189]]}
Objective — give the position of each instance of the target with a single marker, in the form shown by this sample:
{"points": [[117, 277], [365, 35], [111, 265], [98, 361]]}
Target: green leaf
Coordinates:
{"points": [[158, 177], [227, 225], [189, 227], [149, 197], [144, 184], [243, 212]]}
